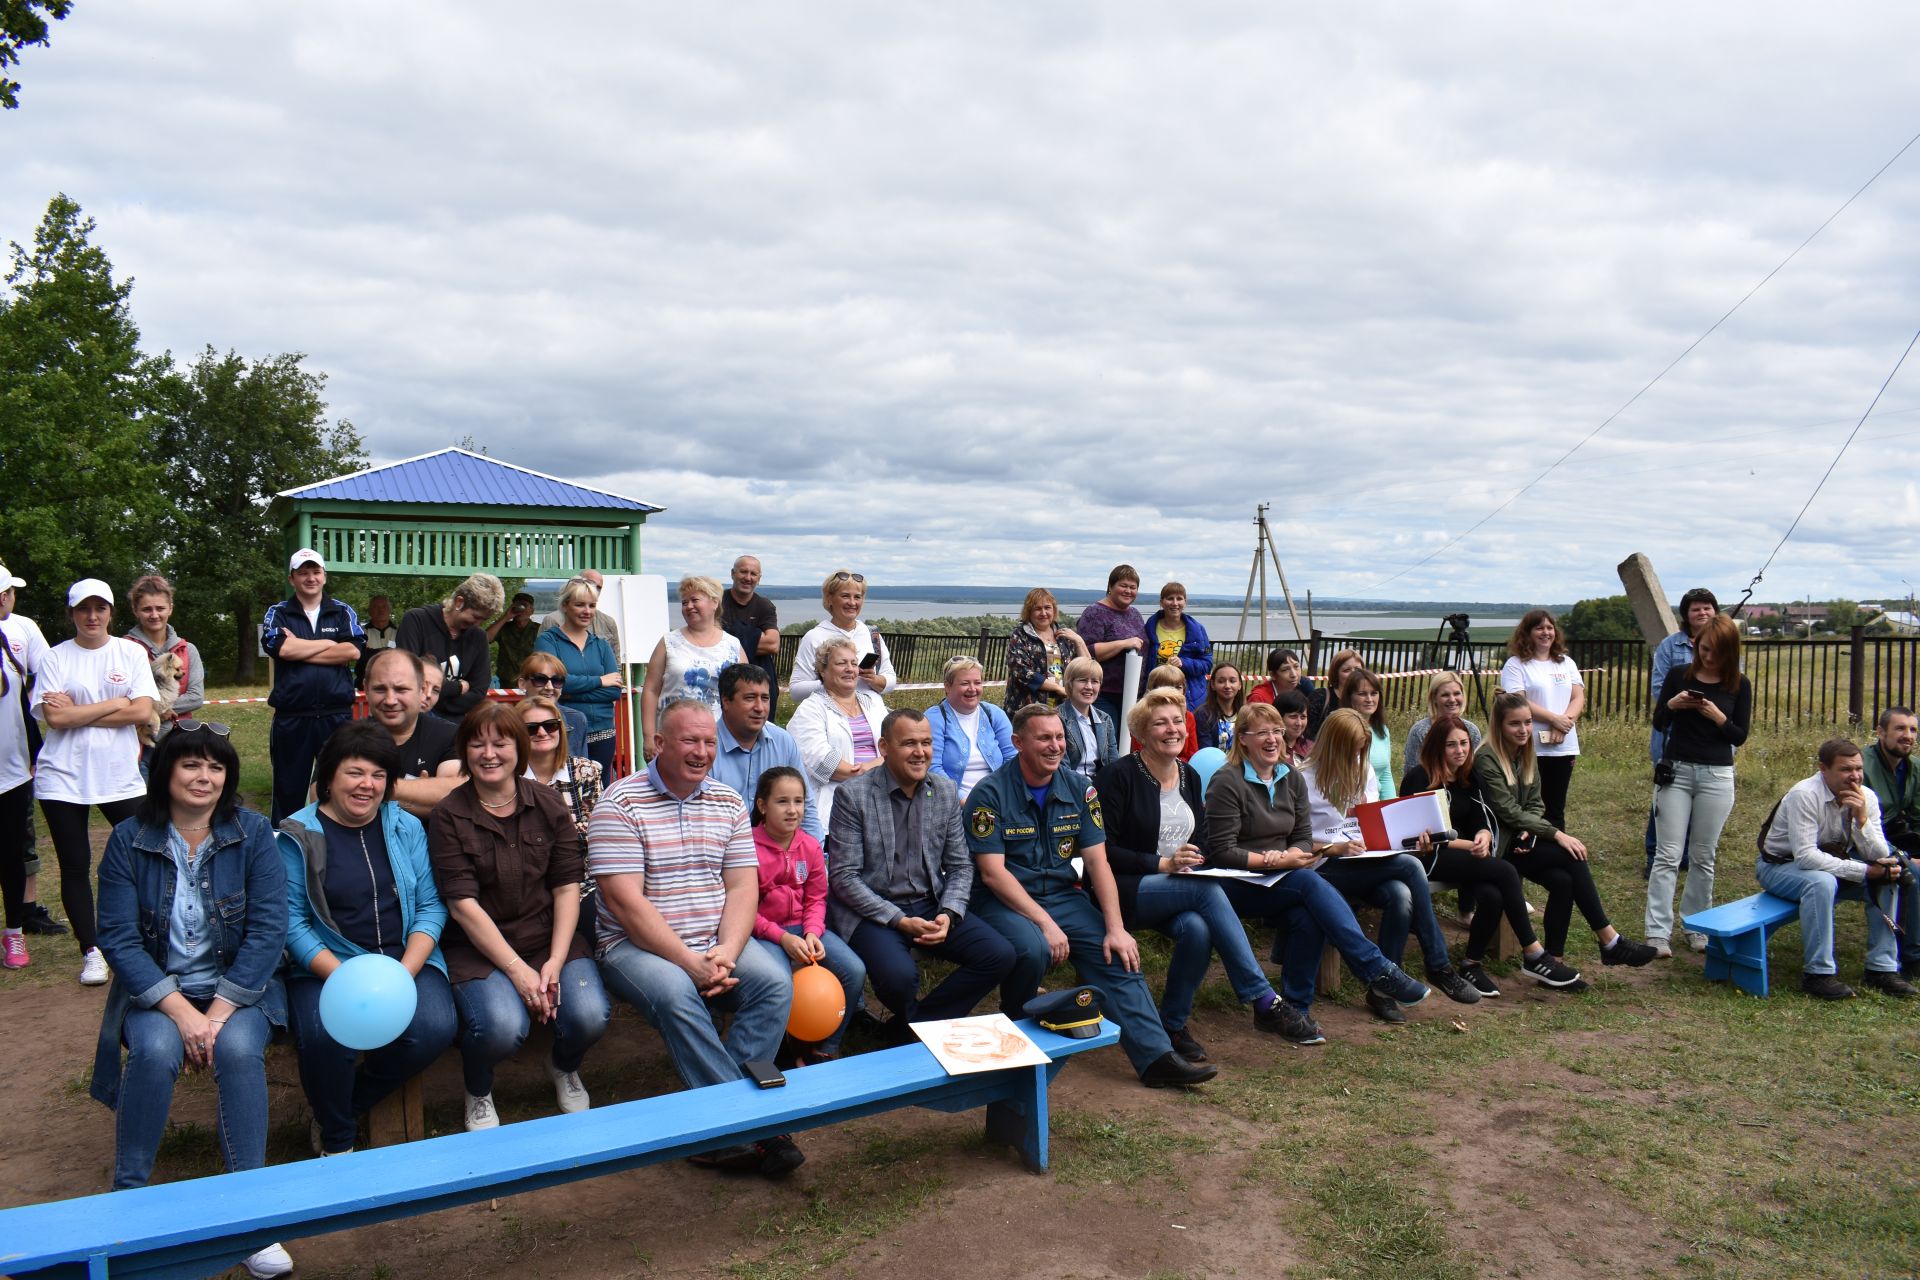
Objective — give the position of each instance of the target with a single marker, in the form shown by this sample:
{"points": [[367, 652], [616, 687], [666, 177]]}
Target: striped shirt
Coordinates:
{"points": [[681, 847]]}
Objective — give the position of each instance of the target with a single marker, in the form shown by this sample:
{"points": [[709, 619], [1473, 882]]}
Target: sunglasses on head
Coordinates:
{"points": [[214, 727], [844, 576], [543, 728]]}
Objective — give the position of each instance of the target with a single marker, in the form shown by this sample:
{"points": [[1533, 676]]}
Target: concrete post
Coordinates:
{"points": [[1650, 607]]}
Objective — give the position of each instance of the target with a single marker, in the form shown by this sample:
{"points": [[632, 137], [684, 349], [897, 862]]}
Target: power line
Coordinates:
{"points": [[1581, 443], [1823, 476]]}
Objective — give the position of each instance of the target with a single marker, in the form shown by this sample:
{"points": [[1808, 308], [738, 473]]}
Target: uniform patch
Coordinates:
{"points": [[981, 822], [1066, 848], [1093, 808]]}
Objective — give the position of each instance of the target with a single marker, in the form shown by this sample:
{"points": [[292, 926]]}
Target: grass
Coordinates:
{"points": [[869, 1192]]}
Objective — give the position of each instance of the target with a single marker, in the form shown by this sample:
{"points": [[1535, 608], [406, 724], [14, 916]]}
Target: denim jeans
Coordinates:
{"points": [[1309, 914], [687, 1021], [495, 1022], [980, 956], [1124, 995], [1197, 916], [1816, 892], [1398, 886], [1687, 818], [842, 964], [342, 1085], [154, 1057]]}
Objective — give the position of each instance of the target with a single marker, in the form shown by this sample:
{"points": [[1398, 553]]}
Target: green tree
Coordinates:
{"points": [[77, 399], [235, 435], [20, 26], [1601, 618]]}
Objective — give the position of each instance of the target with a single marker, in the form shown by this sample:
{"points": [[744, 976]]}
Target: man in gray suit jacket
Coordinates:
{"points": [[900, 875]]}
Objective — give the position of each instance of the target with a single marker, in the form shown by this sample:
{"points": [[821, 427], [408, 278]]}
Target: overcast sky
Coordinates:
{"points": [[1003, 294]]}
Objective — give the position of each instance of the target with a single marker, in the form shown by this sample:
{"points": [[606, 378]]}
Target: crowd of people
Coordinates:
{"points": [[488, 846]]}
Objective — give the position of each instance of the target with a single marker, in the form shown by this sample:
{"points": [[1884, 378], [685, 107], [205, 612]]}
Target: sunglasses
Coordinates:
{"points": [[543, 728], [844, 576], [555, 681], [214, 727]]}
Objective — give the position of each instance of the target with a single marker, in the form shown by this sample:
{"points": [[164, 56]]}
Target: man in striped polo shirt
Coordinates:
{"points": [[672, 852]]}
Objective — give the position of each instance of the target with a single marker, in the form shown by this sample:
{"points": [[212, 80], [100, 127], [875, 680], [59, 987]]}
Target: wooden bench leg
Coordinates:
{"points": [[399, 1117], [1506, 946], [1021, 1121]]}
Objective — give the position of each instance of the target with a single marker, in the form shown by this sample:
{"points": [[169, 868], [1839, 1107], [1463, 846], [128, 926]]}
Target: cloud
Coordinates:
{"points": [[1048, 288]]}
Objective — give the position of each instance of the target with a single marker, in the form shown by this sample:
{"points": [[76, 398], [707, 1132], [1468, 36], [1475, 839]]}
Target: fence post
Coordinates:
{"points": [[1856, 672], [980, 651], [1313, 650]]}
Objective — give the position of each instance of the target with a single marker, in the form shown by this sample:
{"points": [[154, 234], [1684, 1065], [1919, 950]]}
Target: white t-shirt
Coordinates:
{"points": [[1548, 684], [92, 765], [693, 671], [977, 768]]}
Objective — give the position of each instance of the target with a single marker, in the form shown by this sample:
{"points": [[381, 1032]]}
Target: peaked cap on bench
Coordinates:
{"points": [[1074, 1012]]}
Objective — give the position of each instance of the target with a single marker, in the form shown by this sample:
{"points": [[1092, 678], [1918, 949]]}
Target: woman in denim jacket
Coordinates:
{"points": [[193, 971]]}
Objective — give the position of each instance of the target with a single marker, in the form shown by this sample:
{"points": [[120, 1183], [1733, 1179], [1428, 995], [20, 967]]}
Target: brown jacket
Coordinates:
{"points": [[1242, 819], [511, 866]]}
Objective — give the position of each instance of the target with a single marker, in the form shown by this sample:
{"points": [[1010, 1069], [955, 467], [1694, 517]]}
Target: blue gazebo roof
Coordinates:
{"points": [[455, 476]]}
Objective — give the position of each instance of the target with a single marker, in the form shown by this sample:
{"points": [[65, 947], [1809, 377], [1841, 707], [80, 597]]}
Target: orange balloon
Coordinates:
{"points": [[819, 1004]]}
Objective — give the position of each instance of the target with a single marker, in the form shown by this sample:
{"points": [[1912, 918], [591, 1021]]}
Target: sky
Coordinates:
{"points": [[1008, 293]]}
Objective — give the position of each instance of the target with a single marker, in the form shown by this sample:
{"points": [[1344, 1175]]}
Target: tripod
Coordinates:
{"points": [[1263, 550], [1452, 649]]}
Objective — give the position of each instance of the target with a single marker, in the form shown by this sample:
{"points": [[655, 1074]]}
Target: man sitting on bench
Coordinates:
{"points": [[1895, 779], [1823, 842], [672, 852]]}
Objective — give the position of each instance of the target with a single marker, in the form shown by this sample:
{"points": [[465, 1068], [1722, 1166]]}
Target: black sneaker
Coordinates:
{"points": [[779, 1156], [1450, 984], [1186, 1046], [1889, 984], [1474, 973], [1547, 971], [1398, 987], [1290, 1024], [741, 1159], [1628, 952], [1824, 986], [1171, 1071], [1385, 1007], [36, 920]]}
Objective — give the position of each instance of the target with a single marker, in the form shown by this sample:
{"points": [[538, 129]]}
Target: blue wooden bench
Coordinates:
{"points": [[202, 1226], [1737, 934]]}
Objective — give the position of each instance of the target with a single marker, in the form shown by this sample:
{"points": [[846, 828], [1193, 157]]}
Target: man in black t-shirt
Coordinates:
{"points": [[453, 636], [749, 617], [395, 678]]}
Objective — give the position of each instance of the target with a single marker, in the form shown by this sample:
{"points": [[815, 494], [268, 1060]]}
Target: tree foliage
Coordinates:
{"points": [[234, 435], [20, 26], [78, 399], [1602, 618]]}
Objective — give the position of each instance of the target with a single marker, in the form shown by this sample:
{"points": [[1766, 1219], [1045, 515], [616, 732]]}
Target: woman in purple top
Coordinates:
{"points": [[1113, 628]]}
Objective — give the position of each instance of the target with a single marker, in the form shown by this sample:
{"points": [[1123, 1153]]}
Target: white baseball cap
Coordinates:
{"points": [[7, 581], [88, 589], [305, 555]]}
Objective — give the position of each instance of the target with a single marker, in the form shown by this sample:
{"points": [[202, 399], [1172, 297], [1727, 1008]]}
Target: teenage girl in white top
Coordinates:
{"points": [[1540, 671]]}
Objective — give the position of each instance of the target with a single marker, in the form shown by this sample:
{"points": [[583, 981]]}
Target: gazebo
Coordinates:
{"points": [[453, 512]]}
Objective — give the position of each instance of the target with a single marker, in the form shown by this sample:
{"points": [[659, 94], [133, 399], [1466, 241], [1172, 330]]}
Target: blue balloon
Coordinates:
{"points": [[1205, 762], [367, 1001]]}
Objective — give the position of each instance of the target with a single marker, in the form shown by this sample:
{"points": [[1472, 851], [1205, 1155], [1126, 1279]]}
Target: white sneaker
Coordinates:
{"points": [[1662, 948], [1698, 941], [93, 969], [567, 1089], [480, 1113], [270, 1261]]}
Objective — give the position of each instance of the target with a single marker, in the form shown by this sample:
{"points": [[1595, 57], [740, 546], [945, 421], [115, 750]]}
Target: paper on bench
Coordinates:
{"points": [[989, 1042]]}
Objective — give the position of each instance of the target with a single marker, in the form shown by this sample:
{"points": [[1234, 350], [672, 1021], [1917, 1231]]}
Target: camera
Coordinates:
{"points": [[1664, 774]]}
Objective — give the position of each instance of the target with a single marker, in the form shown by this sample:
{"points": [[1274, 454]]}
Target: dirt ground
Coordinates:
{"points": [[912, 1192]]}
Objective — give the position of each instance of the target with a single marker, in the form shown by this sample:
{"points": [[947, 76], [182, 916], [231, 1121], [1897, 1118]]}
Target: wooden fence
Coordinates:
{"points": [[1819, 682]]}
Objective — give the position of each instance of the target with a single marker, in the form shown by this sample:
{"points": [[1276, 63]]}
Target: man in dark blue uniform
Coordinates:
{"points": [[315, 642], [1025, 824]]}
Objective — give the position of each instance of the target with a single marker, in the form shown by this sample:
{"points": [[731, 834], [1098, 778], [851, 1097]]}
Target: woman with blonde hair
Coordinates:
{"points": [[842, 595], [837, 731], [594, 679], [1339, 778], [971, 737], [1446, 696], [1038, 652], [1703, 710], [687, 663], [1509, 777], [1093, 739]]}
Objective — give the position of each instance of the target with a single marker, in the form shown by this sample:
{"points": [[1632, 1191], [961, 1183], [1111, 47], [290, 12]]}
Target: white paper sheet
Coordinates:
{"points": [[989, 1042]]}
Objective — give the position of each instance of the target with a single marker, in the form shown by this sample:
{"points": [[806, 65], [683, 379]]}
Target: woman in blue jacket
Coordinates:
{"points": [[193, 971], [1176, 640], [594, 679], [971, 738], [359, 882]]}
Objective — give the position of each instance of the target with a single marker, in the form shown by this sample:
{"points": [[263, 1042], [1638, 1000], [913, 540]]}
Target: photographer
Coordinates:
{"points": [[1822, 842], [1896, 784], [1702, 715]]}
